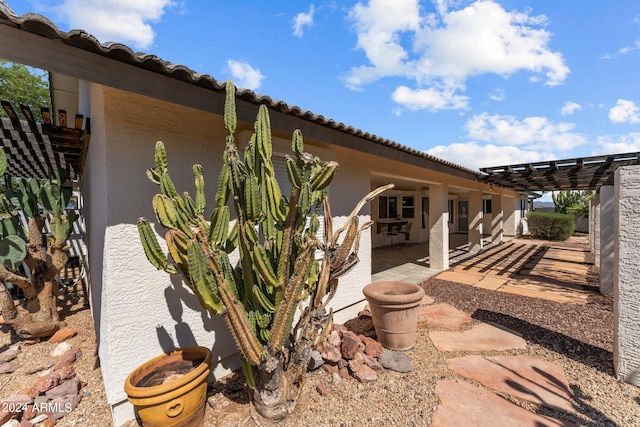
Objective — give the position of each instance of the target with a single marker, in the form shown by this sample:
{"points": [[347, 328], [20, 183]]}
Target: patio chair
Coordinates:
{"points": [[405, 233], [389, 234]]}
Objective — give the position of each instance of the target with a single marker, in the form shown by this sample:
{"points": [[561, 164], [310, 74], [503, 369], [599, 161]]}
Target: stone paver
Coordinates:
{"points": [[462, 404], [481, 337], [521, 376], [443, 316]]}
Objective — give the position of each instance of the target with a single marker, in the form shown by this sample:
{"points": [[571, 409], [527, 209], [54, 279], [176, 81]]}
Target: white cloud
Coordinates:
{"points": [[476, 156], [497, 95], [569, 108], [431, 99], [441, 51], [532, 132], [123, 21], [244, 75], [302, 20], [624, 112], [621, 144]]}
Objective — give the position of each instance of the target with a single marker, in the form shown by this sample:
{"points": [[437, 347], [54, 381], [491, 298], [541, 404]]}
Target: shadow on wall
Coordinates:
{"points": [[177, 295]]}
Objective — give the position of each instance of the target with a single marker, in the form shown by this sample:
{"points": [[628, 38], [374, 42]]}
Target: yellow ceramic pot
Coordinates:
{"points": [[176, 402]]}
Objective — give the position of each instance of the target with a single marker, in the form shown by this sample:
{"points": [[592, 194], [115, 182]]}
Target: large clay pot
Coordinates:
{"points": [[177, 402], [394, 307]]}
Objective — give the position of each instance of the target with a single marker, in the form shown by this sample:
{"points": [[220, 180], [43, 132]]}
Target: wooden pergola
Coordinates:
{"points": [[585, 173], [36, 149]]}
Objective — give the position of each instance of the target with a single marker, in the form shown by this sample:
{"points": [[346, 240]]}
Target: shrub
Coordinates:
{"points": [[551, 226]]}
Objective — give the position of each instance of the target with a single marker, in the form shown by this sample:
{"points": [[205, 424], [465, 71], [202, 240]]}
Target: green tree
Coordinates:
{"points": [[572, 202], [20, 84]]}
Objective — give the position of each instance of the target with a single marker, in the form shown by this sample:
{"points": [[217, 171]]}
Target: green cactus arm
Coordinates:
{"points": [[297, 144], [51, 198], [150, 244], [201, 202], [230, 118], [13, 250], [202, 279], [160, 157]]}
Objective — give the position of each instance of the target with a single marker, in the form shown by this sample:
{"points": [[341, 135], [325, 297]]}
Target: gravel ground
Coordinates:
{"points": [[577, 337]]}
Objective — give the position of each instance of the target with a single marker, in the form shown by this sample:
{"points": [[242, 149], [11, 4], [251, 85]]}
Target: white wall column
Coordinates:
{"points": [[509, 216], [475, 221], [607, 234], [438, 226], [626, 290], [596, 229], [497, 223]]}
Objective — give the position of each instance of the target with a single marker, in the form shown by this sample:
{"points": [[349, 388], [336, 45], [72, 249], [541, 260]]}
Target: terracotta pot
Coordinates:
{"points": [[177, 402], [394, 307]]}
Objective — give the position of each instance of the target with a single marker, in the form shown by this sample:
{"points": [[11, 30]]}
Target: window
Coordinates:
{"points": [[425, 212], [486, 206], [407, 207], [387, 207]]}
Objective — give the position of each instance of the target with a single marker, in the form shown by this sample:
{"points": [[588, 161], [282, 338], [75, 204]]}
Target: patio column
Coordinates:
{"points": [[497, 223], [607, 232], [626, 275], [591, 222], [475, 221], [439, 226], [596, 229], [509, 215]]}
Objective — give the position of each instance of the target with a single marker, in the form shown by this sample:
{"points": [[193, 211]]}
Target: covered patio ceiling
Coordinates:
{"points": [[584, 173], [34, 150]]}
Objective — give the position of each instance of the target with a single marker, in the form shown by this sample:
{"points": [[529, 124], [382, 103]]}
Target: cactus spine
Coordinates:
{"points": [[276, 268]]}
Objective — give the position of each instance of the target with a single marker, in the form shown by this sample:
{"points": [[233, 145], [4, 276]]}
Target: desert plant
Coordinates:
{"points": [[572, 202], [35, 199], [276, 239], [550, 226]]}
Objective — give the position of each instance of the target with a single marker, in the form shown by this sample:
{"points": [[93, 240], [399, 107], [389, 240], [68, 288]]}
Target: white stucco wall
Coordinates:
{"points": [[141, 312]]}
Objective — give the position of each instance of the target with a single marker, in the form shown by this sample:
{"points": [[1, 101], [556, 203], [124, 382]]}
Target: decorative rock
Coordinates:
{"points": [[315, 361], [330, 368], [365, 374], [64, 406], [396, 361], [12, 423], [372, 347], [334, 339], [39, 368], [66, 372], [335, 377], [322, 389], [61, 349], [48, 423], [344, 373], [351, 345], [67, 388], [342, 363], [17, 400], [67, 359], [10, 354], [373, 363], [8, 367], [331, 353], [426, 300], [30, 391], [63, 334], [40, 418], [47, 382], [5, 416], [356, 362]]}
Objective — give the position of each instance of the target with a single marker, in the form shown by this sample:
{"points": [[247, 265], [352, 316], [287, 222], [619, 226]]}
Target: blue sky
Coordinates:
{"points": [[478, 83]]}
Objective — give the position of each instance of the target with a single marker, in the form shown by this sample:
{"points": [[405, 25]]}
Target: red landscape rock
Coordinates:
{"points": [[331, 353], [67, 359], [63, 334], [47, 382], [351, 345], [365, 374], [322, 389], [372, 347]]}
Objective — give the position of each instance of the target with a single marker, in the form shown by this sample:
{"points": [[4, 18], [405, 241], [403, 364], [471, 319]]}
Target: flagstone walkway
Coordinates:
{"points": [[462, 403], [523, 268]]}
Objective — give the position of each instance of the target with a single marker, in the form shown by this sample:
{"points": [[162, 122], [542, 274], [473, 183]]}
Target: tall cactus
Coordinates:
{"points": [[36, 199], [276, 240]]}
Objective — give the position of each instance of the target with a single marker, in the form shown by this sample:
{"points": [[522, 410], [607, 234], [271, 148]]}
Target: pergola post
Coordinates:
{"points": [[438, 226], [497, 223], [626, 275], [509, 215], [596, 229], [475, 221], [607, 238]]}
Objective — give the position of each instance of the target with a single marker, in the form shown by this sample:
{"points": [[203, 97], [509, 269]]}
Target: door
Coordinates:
{"points": [[463, 216]]}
